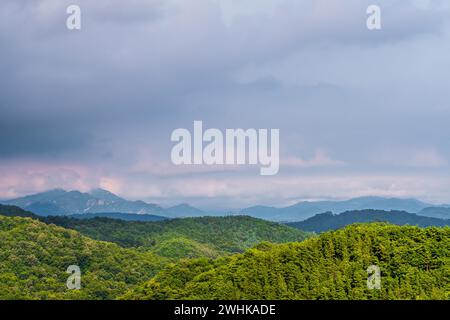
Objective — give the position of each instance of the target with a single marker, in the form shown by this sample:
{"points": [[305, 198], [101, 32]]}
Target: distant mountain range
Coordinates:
{"points": [[184, 210], [435, 212], [319, 223], [306, 209], [329, 221], [14, 211], [119, 216], [61, 202], [98, 203]]}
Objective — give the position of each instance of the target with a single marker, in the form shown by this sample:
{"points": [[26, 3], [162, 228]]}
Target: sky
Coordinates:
{"points": [[360, 112]]}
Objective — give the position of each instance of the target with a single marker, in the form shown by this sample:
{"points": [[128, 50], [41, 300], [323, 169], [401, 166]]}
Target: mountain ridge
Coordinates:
{"points": [[328, 221], [184, 210], [62, 202], [436, 212], [306, 209], [36, 255], [212, 235], [331, 266]]}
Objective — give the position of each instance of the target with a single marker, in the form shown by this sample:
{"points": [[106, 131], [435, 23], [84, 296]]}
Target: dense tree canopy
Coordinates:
{"points": [[34, 255], [193, 259], [414, 263], [34, 258], [212, 235]]}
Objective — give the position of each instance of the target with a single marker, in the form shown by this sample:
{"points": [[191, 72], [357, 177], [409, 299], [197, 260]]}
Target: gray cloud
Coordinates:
{"points": [[106, 98]]}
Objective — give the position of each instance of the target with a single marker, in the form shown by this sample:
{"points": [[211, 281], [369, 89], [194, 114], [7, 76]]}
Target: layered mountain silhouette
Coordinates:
{"points": [[328, 221], [184, 210], [61, 202], [306, 209], [98, 203], [435, 212], [14, 211]]}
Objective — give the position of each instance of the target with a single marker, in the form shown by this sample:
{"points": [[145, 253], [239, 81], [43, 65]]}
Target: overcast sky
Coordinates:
{"points": [[360, 112]]}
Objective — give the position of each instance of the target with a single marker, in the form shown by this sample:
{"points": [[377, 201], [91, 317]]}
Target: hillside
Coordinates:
{"points": [[328, 221], [34, 258], [414, 263], [35, 254], [177, 238], [217, 235]]}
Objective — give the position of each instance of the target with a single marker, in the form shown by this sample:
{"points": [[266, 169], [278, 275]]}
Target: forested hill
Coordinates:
{"points": [[178, 238], [414, 263], [14, 211], [34, 258], [219, 234], [329, 221]]}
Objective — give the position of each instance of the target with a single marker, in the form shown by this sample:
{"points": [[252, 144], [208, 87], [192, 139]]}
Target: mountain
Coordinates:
{"points": [[264, 212], [176, 238], [42, 247], [307, 209], [61, 202], [435, 212], [329, 221], [414, 264], [105, 195], [35, 256], [221, 234], [184, 210]]}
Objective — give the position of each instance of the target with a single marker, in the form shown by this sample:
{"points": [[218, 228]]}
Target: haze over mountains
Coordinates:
{"points": [[307, 209], [436, 212], [99, 201], [328, 221], [61, 202]]}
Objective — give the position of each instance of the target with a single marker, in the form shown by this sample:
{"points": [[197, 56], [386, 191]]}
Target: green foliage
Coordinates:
{"points": [[180, 248], [35, 255], [34, 258], [210, 235], [414, 262]]}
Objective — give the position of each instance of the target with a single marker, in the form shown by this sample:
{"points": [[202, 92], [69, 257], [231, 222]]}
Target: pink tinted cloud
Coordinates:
{"points": [[23, 177]]}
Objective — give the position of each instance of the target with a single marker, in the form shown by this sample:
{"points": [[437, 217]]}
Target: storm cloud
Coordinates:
{"points": [[360, 112]]}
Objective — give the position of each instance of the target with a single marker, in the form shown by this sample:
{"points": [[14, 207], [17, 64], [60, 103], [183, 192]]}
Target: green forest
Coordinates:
{"points": [[234, 257], [176, 238], [414, 263], [213, 235], [35, 256]]}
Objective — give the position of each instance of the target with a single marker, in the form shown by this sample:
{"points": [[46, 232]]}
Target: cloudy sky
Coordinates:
{"points": [[360, 112]]}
